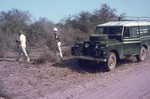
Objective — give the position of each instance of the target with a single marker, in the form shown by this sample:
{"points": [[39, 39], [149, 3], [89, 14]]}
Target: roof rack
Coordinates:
{"points": [[129, 18]]}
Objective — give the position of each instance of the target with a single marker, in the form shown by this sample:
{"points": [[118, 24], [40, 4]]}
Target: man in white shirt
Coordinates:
{"points": [[22, 46]]}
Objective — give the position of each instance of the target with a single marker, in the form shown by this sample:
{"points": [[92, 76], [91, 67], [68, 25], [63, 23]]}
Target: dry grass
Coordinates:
{"points": [[67, 52], [2, 48], [51, 42], [47, 56]]}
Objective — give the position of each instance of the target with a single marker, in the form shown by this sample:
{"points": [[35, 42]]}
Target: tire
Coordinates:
{"points": [[142, 54], [111, 61]]}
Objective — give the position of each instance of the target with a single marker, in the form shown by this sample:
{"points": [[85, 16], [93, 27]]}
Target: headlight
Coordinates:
{"points": [[96, 46], [102, 47], [77, 45], [86, 45]]}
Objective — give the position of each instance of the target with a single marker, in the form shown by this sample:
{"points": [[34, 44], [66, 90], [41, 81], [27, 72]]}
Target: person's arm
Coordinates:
{"points": [[18, 42]]}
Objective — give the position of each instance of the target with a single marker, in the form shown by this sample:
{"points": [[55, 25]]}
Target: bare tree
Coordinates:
{"points": [[103, 14], [40, 31], [12, 21]]}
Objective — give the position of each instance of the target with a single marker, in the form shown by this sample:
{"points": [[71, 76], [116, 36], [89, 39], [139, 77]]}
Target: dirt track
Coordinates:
{"points": [[64, 80]]}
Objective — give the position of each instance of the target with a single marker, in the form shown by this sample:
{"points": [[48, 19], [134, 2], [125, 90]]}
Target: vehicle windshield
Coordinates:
{"points": [[117, 30]]}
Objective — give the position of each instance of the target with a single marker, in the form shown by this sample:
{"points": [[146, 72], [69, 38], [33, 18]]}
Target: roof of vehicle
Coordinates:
{"points": [[125, 23]]}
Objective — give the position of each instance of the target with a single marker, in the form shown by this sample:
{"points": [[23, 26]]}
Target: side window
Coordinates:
{"points": [[100, 30], [131, 32], [126, 32], [144, 30], [134, 32]]}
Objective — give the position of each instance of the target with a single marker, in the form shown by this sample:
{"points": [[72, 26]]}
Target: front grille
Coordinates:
{"points": [[89, 51]]}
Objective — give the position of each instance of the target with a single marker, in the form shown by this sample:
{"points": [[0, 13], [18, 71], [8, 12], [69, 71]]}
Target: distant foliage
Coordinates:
{"points": [[10, 23], [86, 21], [39, 31], [14, 20]]}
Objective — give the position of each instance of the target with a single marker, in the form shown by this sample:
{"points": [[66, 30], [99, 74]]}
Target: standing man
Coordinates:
{"points": [[58, 42], [22, 46]]}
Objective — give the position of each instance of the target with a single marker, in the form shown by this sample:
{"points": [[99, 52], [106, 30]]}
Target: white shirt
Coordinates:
{"points": [[23, 40], [59, 44]]}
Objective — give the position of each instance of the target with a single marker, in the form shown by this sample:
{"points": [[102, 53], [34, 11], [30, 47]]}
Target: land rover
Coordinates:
{"points": [[113, 41]]}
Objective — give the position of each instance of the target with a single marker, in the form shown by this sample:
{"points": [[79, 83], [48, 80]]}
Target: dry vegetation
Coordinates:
{"points": [[47, 56]]}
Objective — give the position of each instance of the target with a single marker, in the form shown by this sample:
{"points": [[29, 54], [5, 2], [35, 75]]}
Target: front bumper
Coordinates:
{"points": [[91, 58]]}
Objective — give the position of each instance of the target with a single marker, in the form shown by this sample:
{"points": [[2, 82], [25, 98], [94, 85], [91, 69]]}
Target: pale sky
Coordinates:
{"points": [[55, 10]]}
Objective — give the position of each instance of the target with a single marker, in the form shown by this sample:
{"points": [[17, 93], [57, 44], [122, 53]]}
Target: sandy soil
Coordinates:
{"points": [[65, 80]]}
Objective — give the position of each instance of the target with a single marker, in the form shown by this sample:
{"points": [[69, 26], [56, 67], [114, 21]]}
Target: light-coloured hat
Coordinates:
{"points": [[55, 29]]}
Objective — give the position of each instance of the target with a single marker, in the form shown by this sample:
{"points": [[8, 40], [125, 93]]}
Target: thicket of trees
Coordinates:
{"points": [[40, 33]]}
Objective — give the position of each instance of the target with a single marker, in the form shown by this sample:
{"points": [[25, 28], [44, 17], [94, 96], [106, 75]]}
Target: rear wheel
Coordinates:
{"points": [[111, 61], [142, 54]]}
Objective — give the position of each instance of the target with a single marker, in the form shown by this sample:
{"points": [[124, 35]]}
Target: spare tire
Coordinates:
{"points": [[98, 37]]}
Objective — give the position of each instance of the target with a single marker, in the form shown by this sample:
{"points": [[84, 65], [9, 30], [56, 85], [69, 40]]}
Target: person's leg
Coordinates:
{"points": [[55, 50], [20, 53], [60, 51], [25, 53]]}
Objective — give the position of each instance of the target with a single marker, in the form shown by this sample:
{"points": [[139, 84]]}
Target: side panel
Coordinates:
{"points": [[131, 47], [117, 47]]}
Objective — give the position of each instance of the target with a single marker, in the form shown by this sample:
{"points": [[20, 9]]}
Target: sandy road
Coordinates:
{"points": [[130, 80], [129, 85]]}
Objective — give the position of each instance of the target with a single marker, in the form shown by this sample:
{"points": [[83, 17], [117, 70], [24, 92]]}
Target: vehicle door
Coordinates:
{"points": [[131, 41]]}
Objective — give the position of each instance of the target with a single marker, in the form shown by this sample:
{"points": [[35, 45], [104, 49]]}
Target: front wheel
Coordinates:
{"points": [[111, 61], [142, 54]]}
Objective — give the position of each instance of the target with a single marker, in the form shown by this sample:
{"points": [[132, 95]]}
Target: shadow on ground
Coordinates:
{"points": [[90, 67], [73, 65]]}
